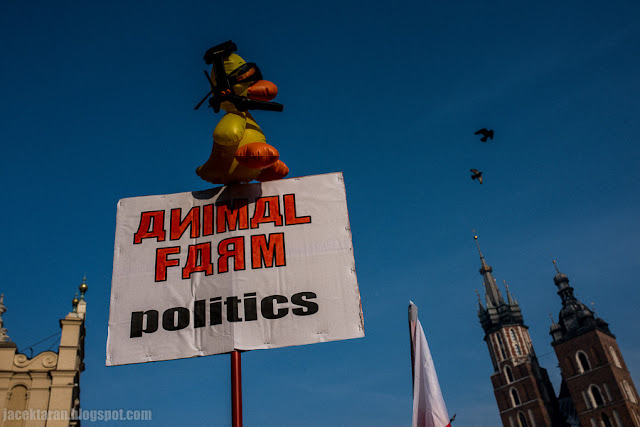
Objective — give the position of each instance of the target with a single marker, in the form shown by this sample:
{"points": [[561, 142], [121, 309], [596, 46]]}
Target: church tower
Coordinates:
{"points": [[522, 388], [595, 378], [44, 390]]}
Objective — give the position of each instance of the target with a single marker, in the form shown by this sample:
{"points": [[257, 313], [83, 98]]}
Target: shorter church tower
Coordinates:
{"points": [[595, 378], [522, 388], [44, 390]]}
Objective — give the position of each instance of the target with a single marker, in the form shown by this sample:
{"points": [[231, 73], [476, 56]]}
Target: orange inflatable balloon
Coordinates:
{"points": [[257, 155], [262, 90], [278, 170]]}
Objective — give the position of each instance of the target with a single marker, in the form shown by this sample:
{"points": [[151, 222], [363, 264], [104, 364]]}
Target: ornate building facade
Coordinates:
{"points": [[596, 389], [44, 390]]}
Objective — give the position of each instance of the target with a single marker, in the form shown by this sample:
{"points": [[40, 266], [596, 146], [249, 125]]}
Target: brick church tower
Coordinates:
{"points": [[522, 388], [595, 378]]}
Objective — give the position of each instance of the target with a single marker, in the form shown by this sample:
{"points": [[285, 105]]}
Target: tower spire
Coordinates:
{"points": [[482, 261], [494, 297], [481, 308], [510, 299], [479, 300], [497, 311]]}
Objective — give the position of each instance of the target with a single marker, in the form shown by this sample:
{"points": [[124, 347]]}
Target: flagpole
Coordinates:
{"points": [[236, 389], [413, 318]]}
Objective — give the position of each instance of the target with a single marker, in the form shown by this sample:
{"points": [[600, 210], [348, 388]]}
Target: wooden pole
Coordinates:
{"points": [[236, 389]]}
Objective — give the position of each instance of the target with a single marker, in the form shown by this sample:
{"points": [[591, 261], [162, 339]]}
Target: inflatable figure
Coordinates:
{"points": [[240, 152]]}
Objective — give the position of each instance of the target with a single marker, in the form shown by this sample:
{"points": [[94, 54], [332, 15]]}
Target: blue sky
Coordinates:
{"points": [[97, 105]]}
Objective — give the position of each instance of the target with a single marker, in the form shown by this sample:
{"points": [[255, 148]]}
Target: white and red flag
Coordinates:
{"points": [[429, 409]]}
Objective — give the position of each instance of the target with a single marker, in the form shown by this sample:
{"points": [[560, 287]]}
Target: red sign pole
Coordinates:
{"points": [[236, 389]]}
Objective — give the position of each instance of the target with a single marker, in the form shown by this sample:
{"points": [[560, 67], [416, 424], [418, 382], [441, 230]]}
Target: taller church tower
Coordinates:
{"points": [[595, 378], [522, 388]]}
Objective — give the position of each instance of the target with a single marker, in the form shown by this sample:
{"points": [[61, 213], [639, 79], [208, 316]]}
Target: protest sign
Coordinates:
{"points": [[240, 267]]}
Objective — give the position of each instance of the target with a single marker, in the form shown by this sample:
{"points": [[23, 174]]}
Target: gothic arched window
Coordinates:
{"points": [[588, 399], [629, 392], [515, 399], [514, 341], [635, 414], [501, 345], [597, 396], [583, 362], [508, 374], [614, 356], [522, 420], [606, 420], [617, 418]]}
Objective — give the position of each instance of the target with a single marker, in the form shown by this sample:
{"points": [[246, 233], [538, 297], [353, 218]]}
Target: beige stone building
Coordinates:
{"points": [[44, 390]]}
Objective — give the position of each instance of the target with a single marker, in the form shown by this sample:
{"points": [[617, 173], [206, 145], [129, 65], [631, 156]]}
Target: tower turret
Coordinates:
{"points": [[575, 317]]}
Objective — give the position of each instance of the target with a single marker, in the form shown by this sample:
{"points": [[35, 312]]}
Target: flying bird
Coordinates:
{"points": [[476, 174], [485, 134]]}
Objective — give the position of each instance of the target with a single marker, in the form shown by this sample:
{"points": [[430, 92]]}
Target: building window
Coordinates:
{"points": [[588, 400], [616, 416], [501, 345], [583, 362], [515, 399], [637, 417], [522, 420], [508, 374], [614, 356], [492, 352], [514, 341], [594, 391], [606, 421], [628, 391]]}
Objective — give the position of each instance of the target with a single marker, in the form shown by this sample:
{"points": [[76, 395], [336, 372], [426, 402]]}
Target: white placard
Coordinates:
{"points": [[239, 267]]}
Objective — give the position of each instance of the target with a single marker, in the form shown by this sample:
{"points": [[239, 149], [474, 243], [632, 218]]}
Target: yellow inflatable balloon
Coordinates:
{"points": [[240, 152]]}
